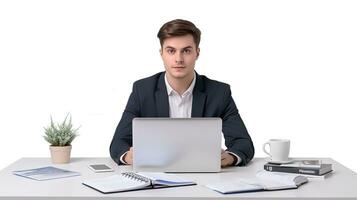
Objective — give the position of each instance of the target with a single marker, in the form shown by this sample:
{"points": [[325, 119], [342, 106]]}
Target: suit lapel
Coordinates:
{"points": [[198, 104], [199, 98], [162, 101]]}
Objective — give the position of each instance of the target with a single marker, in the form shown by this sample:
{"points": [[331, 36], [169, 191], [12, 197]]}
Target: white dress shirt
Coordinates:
{"points": [[180, 106]]}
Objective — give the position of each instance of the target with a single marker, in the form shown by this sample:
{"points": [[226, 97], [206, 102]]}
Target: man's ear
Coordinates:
{"points": [[198, 52], [160, 50]]}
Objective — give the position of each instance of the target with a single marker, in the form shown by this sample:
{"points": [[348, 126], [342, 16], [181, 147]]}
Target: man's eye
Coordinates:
{"points": [[187, 51], [171, 51]]}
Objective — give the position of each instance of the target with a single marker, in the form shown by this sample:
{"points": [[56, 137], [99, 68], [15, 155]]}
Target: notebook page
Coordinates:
{"points": [[283, 178], [165, 179], [272, 184], [242, 185], [115, 183]]}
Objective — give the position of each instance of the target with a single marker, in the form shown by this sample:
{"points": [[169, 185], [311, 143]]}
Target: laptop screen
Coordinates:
{"points": [[177, 144]]}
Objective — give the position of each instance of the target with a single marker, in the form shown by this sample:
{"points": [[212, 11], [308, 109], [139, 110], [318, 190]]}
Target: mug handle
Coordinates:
{"points": [[265, 151]]}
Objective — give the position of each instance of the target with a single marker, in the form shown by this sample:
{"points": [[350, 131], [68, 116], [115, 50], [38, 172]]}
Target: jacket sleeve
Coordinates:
{"points": [[122, 139], [237, 139]]}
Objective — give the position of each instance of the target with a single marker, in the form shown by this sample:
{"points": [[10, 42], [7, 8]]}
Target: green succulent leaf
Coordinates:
{"points": [[60, 134]]}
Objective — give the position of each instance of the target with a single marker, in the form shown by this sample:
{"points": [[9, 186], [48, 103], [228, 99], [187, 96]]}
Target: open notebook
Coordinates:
{"points": [[264, 180], [129, 181]]}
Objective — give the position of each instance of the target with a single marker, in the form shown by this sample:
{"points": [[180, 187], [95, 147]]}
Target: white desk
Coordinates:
{"points": [[342, 184]]}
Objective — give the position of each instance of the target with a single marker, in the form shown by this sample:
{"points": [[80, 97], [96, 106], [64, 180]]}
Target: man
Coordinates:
{"points": [[181, 92]]}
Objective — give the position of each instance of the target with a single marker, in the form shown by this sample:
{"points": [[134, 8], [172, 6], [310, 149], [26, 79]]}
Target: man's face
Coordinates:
{"points": [[179, 55]]}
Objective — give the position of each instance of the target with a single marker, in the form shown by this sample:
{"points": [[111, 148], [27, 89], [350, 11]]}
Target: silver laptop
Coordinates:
{"points": [[177, 144]]}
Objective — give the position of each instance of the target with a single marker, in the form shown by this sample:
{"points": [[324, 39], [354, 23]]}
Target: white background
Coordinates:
{"points": [[291, 66]]}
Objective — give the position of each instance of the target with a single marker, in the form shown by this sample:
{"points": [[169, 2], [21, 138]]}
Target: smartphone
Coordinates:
{"points": [[100, 168]]}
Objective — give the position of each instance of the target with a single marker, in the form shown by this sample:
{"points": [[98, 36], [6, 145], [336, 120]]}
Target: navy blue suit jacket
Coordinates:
{"points": [[211, 98]]}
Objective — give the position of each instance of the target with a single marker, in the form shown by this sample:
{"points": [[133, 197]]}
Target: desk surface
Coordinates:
{"points": [[342, 184]]}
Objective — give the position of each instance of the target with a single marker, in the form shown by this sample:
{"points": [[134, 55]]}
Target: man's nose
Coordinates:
{"points": [[179, 57]]}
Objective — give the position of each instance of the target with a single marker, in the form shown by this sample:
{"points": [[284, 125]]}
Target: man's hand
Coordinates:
{"points": [[226, 159], [128, 157]]}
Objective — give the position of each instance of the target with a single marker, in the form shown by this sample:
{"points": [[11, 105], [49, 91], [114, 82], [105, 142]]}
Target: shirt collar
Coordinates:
{"points": [[170, 90]]}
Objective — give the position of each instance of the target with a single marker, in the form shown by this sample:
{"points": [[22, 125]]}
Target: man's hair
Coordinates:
{"points": [[179, 27]]}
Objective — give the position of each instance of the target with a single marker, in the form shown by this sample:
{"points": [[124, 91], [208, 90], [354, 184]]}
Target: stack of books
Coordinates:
{"points": [[308, 168]]}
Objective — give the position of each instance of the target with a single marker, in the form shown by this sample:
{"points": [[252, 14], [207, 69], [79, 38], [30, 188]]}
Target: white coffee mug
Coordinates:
{"points": [[279, 149]]}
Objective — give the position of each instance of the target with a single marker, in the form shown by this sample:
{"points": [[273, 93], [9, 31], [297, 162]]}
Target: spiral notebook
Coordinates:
{"points": [[130, 181]]}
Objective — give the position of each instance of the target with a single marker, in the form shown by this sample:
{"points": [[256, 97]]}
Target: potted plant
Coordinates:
{"points": [[60, 136]]}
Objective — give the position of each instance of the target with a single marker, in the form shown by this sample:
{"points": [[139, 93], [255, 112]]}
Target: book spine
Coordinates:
{"points": [[309, 171]]}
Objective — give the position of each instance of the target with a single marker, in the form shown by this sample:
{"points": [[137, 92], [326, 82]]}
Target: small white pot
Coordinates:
{"points": [[60, 155]]}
